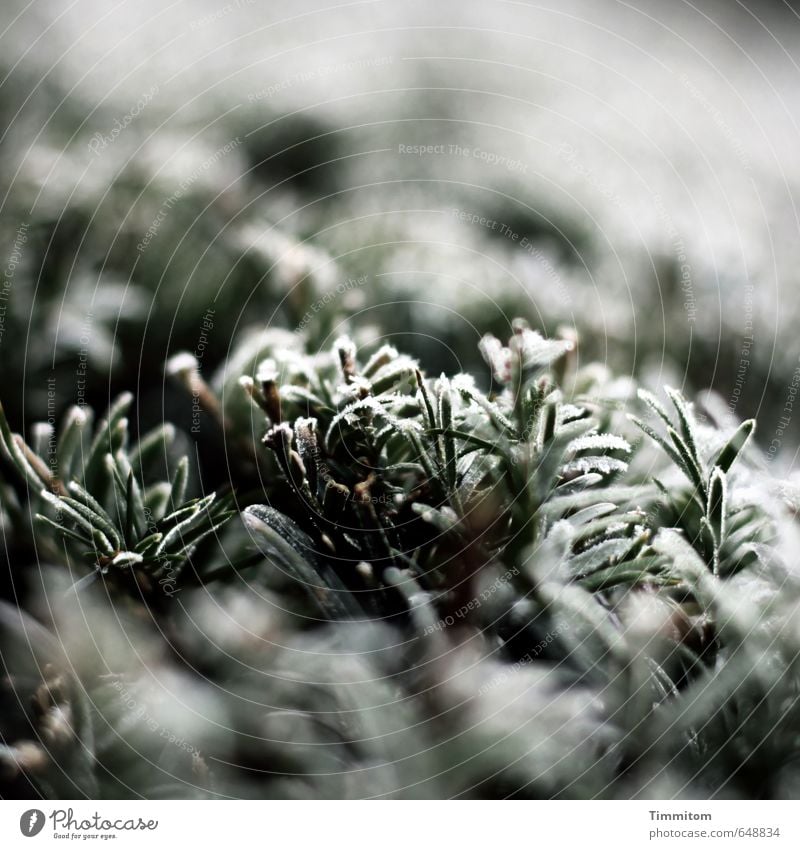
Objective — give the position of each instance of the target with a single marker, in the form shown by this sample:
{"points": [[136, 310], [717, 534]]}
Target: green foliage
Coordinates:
{"points": [[723, 532], [92, 494], [437, 589], [435, 477]]}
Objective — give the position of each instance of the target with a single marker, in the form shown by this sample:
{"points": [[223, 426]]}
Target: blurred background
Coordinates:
{"points": [[178, 175], [421, 171]]}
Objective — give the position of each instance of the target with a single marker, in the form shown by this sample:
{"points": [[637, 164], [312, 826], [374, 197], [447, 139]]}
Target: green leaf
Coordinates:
{"points": [[718, 504], [128, 498], [179, 482], [604, 553], [735, 445], [82, 516], [470, 438], [686, 424], [603, 465], [92, 510], [110, 432], [678, 458], [649, 569], [36, 477], [127, 558], [496, 415], [177, 534], [293, 551], [152, 447], [426, 400], [449, 445], [70, 441], [589, 514], [600, 442], [691, 464], [64, 531], [655, 405]]}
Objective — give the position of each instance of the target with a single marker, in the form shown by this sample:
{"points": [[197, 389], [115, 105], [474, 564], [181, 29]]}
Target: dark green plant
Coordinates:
{"points": [[93, 491], [724, 533], [438, 589]]}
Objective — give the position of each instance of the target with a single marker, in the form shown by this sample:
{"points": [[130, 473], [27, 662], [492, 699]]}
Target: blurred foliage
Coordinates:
{"points": [[331, 574], [433, 590]]}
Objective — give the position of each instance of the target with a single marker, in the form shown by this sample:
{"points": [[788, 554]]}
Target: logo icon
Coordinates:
{"points": [[31, 822]]}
